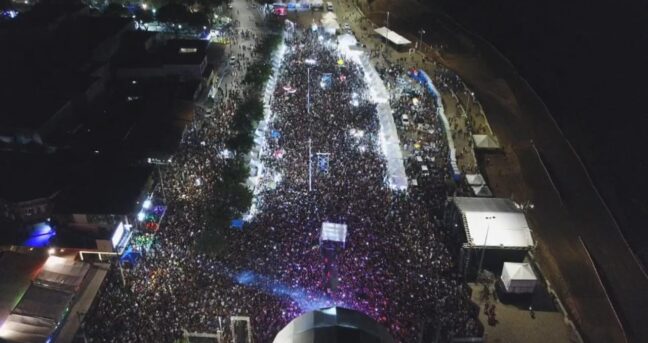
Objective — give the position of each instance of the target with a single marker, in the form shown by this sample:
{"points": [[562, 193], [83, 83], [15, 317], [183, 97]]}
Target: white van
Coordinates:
{"points": [[329, 6]]}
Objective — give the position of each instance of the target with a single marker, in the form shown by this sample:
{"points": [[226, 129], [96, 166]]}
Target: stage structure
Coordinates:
{"points": [[332, 232], [332, 239], [333, 325], [494, 231]]}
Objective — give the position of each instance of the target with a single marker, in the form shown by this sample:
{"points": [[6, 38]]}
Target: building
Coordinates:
{"points": [[146, 54], [60, 59], [43, 294], [89, 129]]}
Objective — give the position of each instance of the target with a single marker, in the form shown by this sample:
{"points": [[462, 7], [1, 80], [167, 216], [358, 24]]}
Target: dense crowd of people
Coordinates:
{"points": [[398, 263]]}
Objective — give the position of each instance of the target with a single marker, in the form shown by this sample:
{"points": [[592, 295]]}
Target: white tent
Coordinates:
{"points": [[494, 223], [518, 278], [328, 16], [348, 45], [475, 179], [486, 142], [331, 26], [482, 191], [62, 273], [330, 23], [392, 36]]}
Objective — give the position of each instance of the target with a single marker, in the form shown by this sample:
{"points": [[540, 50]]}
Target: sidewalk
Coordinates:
{"points": [[516, 325]]}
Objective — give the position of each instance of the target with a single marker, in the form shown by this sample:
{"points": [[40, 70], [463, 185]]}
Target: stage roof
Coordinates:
{"points": [[332, 325], [392, 36], [506, 228]]}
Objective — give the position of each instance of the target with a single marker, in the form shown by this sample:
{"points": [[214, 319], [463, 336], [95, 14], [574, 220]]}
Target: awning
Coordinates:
{"points": [[392, 36]]}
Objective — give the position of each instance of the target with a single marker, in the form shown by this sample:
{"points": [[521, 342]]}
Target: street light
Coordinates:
{"points": [[386, 33], [481, 260], [421, 32]]}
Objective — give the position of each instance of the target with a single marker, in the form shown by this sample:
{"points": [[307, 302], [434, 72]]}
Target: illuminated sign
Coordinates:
{"points": [[117, 235]]}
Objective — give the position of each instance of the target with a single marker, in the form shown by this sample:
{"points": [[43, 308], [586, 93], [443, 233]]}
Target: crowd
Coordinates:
{"points": [[398, 262]]}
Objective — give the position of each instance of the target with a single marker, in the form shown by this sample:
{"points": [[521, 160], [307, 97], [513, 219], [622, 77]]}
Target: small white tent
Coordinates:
{"points": [[518, 278], [482, 191], [328, 16], [486, 142], [475, 179]]}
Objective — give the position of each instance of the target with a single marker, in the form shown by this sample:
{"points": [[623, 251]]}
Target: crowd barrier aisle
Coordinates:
{"points": [[424, 79], [260, 133], [389, 141]]}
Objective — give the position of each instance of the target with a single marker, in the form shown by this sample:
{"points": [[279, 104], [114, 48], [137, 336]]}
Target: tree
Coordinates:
{"points": [[144, 15], [198, 19], [6, 5], [116, 10], [173, 13], [241, 142]]}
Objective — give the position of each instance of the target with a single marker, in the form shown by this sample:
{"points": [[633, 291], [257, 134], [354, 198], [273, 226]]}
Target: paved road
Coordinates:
{"points": [[230, 74], [576, 211]]}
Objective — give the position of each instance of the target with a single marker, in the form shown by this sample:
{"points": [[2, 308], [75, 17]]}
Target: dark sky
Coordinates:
{"points": [[588, 60]]}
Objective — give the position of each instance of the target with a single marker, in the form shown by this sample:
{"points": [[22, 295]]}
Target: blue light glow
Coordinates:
{"points": [[40, 236], [307, 300]]}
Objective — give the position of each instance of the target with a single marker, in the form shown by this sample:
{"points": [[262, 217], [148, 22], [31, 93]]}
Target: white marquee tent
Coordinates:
{"points": [[482, 191], [330, 22], [518, 278], [486, 142], [494, 223], [475, 179], [392, 36], [328, 16]]}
